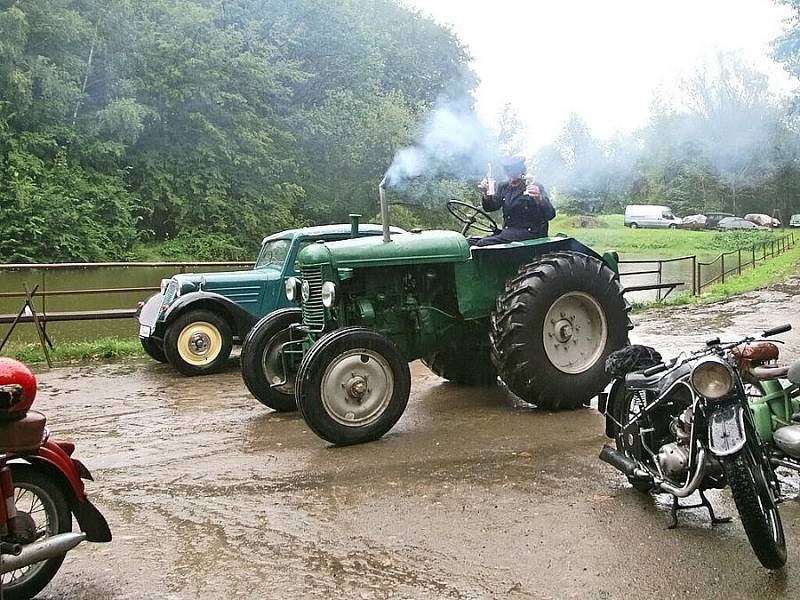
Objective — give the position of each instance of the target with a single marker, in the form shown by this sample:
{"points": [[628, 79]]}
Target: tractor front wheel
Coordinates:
{"points": [[352, 386], [554, 327]]}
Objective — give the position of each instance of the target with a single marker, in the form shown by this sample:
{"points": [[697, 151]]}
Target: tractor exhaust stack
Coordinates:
{"points": [[384, 210]]}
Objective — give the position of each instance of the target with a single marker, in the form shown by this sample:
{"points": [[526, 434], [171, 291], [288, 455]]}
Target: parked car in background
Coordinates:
{"points": [[729, 223], [693, 222], [650, 215], [762, 219], [196, 318], [794, 221], [713, 218]]}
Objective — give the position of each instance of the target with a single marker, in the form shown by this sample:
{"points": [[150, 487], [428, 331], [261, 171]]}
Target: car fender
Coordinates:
{"points": [[240, 320]]}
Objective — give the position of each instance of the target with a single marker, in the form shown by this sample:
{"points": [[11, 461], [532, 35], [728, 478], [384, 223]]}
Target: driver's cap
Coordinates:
{"points": [[514, 166]]}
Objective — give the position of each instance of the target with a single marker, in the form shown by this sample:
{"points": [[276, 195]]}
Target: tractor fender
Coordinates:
{"points": [[239, 319]]}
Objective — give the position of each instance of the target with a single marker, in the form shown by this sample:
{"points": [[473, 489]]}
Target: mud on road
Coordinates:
{"points": [[471, 495]]}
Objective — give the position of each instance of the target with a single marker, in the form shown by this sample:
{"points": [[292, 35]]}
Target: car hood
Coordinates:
{"points": [[217, 281]]}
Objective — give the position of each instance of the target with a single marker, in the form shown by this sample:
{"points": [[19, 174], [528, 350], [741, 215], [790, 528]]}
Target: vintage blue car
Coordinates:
{"points": [[196, 318]]}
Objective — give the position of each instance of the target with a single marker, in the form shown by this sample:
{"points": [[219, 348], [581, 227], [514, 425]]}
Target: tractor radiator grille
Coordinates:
{"points": [[313, 311], [170, 292]]}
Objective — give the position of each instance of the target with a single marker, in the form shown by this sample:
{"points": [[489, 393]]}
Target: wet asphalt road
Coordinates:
{"points": [[471, 495]]}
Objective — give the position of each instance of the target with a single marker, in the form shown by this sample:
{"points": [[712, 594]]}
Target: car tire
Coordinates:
{"points": [[352, 386], [198, 342], [467, 367], [537, 344], [634, 226], [673, 226], [259, 356], [153, 349]]}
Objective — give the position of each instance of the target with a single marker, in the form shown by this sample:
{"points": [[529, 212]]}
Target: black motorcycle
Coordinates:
{"points": [[685, 425]]}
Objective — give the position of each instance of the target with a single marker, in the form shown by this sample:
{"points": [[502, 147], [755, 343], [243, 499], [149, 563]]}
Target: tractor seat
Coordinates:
{"points": [[22, 435]]}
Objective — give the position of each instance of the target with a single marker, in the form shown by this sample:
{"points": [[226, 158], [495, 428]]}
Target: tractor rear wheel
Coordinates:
{"points": [[469, 367], [555, 325]]}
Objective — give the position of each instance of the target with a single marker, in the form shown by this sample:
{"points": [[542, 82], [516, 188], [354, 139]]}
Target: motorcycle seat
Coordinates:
{"points": [[23, 435], [658, 382]]}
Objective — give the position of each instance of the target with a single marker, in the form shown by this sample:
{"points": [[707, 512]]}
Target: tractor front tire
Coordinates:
{"points": [[555, 325], [262, 363], [352, 386]]}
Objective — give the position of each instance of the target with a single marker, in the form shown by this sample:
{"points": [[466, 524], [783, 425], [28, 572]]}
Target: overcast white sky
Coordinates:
{"points": [[604, 60]]}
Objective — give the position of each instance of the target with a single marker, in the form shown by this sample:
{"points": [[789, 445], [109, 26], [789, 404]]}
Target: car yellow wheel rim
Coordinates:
{"points": [[199, 343]]}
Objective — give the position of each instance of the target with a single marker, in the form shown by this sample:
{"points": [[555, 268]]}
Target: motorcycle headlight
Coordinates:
{"points": [[712, 379], [328, 294], [164, 284], [292, 289], [305, 290]]}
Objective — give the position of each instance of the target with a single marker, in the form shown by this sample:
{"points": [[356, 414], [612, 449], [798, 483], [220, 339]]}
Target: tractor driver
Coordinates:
{"points": [[526, 207]]}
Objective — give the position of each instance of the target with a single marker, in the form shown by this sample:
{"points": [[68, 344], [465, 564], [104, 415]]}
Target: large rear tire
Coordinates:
{"points": [[352, 386], [262, 363], [757, 508], [467, 367], [555, 325]]}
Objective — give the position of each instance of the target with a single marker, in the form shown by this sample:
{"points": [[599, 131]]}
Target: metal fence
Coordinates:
{"points": [[697, 275], [41, 292]]}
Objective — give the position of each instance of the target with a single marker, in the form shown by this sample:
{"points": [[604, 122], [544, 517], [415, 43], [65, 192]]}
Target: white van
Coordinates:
{"points": [[650, 215]]}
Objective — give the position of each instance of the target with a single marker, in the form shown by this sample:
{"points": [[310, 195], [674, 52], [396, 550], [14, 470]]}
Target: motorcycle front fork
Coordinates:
{"points": [[8, 507]]}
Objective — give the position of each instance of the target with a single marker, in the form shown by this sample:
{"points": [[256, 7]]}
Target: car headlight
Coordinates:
{"points": [[292, 289], [305, 290], [328, 294], [164, 284], [712, 379]]}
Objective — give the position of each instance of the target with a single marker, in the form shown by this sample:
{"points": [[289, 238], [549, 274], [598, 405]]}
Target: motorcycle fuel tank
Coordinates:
{"points": [[788, 440]]}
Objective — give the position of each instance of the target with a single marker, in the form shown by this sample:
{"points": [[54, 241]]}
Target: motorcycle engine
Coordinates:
{"points": [[673, 458]]}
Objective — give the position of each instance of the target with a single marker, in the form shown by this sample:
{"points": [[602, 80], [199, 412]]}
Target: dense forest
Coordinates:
{"points": [[205, 122], [202, 125]]}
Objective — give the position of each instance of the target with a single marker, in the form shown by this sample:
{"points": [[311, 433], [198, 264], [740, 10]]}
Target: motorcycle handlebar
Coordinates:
{"points": [[777, 330]]}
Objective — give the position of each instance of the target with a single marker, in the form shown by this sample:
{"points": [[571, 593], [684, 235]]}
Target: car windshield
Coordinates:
{"points": [[273, 254]]}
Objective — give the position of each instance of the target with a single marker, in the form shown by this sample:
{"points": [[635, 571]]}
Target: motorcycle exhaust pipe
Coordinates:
{"points": [[43, 550], [618, 460], [13, 549]]}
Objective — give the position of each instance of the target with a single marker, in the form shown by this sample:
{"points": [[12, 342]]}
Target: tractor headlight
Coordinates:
{"points": [[305, 290], [292, 289], [164, 284], [328, 294], [712, 379]]}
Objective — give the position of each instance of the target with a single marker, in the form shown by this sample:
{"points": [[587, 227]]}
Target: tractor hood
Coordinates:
{"points": [[417, 248]]}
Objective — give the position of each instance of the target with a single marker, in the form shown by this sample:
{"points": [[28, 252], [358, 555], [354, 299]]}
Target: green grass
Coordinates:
{"points": [[85, 351], [656, 243]]}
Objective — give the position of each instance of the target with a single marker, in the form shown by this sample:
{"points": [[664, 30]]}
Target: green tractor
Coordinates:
{"points": [[541, 314]]}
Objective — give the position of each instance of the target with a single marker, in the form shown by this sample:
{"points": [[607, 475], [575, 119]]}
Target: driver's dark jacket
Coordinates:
{"points": [[523, 217]]}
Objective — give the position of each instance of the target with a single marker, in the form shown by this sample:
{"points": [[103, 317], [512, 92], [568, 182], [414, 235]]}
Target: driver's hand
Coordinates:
{"points": [[483, 186]]}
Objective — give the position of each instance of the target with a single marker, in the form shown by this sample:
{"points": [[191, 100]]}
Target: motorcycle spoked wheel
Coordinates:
{"points": [[757, 507], [627, 405], [39, 496]]}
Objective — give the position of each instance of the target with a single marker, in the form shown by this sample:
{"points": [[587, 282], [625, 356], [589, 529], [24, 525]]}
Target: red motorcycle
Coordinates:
{"points": [[41, 487]]}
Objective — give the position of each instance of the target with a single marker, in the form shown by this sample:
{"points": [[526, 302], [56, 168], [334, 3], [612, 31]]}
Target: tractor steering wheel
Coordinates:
{"points": [[472, 217]]}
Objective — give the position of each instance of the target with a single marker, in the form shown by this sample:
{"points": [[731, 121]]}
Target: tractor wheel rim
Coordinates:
{"points": [[357, 387], [199, 343], [272, 364], [575, 333]]}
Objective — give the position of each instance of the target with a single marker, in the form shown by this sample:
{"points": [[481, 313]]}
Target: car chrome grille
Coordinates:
{"points": [[313, 311], [170, 292]]}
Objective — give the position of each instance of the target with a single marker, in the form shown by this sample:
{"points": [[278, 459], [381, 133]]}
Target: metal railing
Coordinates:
{"points": [[42, 292], [704, 274]]}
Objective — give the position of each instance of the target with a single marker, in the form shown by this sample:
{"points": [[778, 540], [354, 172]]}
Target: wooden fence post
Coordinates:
{"points": [[754, 256], [695, 268], [722, 259], [740, 261]]}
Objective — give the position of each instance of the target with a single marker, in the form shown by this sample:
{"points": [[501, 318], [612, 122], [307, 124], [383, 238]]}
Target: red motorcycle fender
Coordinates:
{"points": [[53, 459]]}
